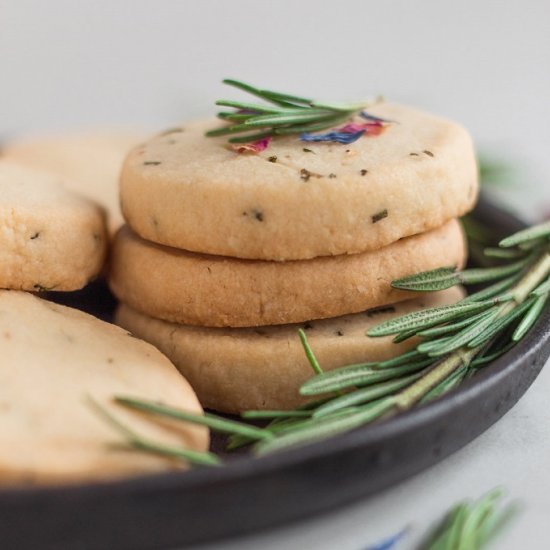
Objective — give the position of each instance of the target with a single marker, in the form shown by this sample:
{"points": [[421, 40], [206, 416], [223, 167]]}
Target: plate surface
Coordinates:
{"points": [[177, 509]]}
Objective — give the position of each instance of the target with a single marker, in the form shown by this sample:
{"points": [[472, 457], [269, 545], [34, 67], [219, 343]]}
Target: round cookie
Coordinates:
{"points": [[205, 290], [50, 238], [237, 369], [299, 200], [89, 162], [53, 360]]}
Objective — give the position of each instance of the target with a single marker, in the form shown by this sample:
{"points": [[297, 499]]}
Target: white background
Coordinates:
{"points": [[69, 64]]}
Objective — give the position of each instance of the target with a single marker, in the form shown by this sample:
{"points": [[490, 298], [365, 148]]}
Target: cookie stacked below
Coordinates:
{"points": [[227, 253]]}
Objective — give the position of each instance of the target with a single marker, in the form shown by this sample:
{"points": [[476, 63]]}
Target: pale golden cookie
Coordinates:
{"points": [[236, 369], [50, 238], [53, 359], [206, 290], [89, 162], [299, 200]]}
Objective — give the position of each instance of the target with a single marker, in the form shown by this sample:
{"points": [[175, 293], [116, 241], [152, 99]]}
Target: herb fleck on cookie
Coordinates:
{"points": [[379, 216]]}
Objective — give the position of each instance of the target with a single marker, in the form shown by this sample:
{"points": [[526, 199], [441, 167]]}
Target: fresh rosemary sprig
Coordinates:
{"points": [[453, 342], [472, 525], [283, 114]]}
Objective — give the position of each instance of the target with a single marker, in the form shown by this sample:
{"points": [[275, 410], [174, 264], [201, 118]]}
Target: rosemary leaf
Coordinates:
{"points": [[530, 318], [274, 97], [501, 323], [427, 318], [504, 253], [533, 233], [429, 281], [364, 395], [451, 327], [543, 288], [478, 275], [212, 421], [465, 336], [492, 290], [489, 358], [254, 107], [267, 414], [327, 428], [335, 380], [309, 353], [140, 443]]}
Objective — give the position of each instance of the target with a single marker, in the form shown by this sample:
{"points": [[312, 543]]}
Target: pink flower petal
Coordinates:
{"points": [[253, 147]]}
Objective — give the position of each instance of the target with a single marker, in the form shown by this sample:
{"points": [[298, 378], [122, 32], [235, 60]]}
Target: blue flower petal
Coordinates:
{"points": [[389, 543], [338, 137]]}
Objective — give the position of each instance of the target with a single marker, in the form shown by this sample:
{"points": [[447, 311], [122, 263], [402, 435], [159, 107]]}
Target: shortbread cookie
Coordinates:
{"points": [[50, 238], [89, 162], [53, 360], [235, 369], [299, 200], [206, 290]]}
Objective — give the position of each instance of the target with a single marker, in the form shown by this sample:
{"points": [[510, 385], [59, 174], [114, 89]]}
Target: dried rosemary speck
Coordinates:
{"points": [[332, 175], [413, 154], [272, 159], [305, 174], [35, 235], [306, 150], [429, 153], [255, 213], [379, 216], [364, 172], [377, 310], [152, 163]]}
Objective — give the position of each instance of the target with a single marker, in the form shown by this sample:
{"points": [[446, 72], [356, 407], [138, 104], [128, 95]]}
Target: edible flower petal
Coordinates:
{"points": [[253, 147], [347, 134]]}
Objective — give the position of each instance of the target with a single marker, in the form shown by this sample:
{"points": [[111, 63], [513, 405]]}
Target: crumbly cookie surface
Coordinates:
{"points": [[207, 290], [53, 359], [50, 238], [299, 200], [90, 163], [236, 369]]}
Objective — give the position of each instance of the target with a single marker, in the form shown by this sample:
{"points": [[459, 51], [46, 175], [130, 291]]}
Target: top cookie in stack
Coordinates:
{"points": [[296, 200], [221, 236]]}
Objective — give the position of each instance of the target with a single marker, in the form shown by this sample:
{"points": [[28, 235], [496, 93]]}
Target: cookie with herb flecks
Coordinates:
{"points": [[295, 199], [207, 290], [236, 369], [90, 163], [50, 238], [55, 360]]}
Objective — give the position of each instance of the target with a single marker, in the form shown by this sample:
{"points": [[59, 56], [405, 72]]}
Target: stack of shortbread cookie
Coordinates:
{"points": [[226, 254]]}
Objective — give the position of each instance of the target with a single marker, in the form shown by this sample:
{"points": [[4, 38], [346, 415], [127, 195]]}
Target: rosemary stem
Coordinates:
{"points": [[535, 275], [459, 358]]}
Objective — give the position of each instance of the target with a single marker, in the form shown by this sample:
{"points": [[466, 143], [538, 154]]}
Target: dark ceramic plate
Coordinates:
{"points": [[177, 509]]}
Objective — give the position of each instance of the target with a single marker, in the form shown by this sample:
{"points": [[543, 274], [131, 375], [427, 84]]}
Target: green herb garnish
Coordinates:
{"points": [[472, 525], [283, 114]]}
